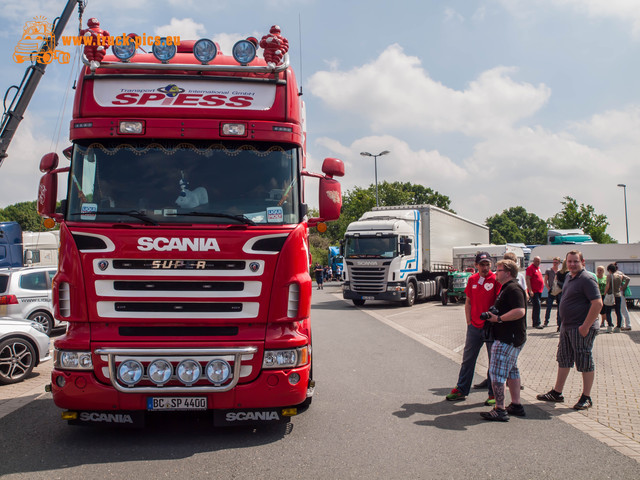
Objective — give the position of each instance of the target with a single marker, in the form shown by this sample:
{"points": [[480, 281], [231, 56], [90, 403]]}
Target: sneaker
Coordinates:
{"points": [[481, 385], [626, 329], [516, 409], [609, 329], [584, 403], [616, 330], [551, 396], [546, 323], [496, 415], [491, 401], [455, 395], [539, 327]]}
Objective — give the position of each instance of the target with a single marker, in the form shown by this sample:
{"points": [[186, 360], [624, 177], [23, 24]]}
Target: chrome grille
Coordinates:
{"points": [[369, 279]]}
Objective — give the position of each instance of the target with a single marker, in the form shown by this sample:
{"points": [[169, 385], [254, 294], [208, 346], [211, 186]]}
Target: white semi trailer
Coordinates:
{"points": [[402, 254]]}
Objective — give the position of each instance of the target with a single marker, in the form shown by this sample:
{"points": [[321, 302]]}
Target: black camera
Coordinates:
{"points": [[487, 315]]}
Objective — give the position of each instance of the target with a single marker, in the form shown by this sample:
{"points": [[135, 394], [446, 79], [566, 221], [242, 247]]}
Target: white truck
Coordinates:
{"points": [[465, 256], [625, 255], [403, 253]]}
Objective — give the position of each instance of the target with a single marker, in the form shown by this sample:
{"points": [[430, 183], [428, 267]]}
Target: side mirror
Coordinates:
{"points": [[333, 167], [49, 162], [406, 249], [47, 193], [330, 199]]}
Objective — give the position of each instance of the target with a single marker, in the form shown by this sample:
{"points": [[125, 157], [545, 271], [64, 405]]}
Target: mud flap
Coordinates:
{"points": [[120, 419], [257, 416]]}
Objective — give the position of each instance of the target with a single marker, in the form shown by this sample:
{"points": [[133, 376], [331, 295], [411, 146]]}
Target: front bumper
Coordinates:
{"points": [[82, 391], [387, 296]]}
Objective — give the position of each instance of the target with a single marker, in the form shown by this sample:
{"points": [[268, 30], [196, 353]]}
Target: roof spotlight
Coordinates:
{"points": [[124, 52], [205, 50], [244, 52], [163, 51]]}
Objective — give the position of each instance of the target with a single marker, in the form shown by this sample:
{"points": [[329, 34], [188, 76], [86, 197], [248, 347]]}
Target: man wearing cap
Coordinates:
{"points": [[481, 292]]}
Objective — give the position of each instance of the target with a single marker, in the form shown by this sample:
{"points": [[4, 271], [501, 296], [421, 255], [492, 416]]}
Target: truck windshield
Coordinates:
{"points": [[219, 183], [370, 247]]}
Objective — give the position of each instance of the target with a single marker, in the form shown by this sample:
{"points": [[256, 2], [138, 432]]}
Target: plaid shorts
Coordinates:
{"points": [[504, 359], [573, 347]]}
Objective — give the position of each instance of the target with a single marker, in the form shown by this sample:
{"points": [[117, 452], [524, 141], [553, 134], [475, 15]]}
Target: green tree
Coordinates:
{"points": [[584, 217], [26, 214], [360, 200], [516, 225]]}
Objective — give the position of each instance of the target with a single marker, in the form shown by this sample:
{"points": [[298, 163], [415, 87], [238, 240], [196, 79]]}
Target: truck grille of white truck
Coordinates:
{"points": [[369, 279]]}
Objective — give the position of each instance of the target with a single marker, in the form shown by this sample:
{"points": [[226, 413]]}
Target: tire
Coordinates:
{"points": [[17, 359], [43, 318], [411, 295], [358, 302], [444, 297]]}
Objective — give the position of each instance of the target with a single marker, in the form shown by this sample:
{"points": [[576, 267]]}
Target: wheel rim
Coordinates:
{"points": [[42, 319], [15, 360]]}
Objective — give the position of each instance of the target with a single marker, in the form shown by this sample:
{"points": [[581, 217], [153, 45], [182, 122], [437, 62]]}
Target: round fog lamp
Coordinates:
{"points": [[218, 371], [244, 52], [162, 51], [188, 371], [124, 52], [294, 378], [130, 372], [160, 372], [205, 50]]}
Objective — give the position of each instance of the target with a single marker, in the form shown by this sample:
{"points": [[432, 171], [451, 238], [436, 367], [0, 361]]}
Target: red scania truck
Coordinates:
{"points": [[184, 255]]}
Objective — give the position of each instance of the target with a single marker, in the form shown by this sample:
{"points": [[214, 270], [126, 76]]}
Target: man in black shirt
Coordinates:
{"points": [[509, 332]]}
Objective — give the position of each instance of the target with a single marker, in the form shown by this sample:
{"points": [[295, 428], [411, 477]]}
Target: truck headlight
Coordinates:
{"points": [[72, 360], [286, 358]]}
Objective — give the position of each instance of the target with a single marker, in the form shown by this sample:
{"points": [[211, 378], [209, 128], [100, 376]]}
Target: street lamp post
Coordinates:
{"points": [[626, 218], [375, 162]]}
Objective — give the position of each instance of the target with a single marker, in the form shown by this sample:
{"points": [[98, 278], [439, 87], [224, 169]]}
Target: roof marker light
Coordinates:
{"points": [[244, 52], [164, 51], [205, 50]]}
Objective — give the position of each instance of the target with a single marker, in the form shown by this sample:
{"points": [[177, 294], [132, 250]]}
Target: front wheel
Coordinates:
{"points": [[444, 297], [358, 302], [17, 359], [411, 295]]}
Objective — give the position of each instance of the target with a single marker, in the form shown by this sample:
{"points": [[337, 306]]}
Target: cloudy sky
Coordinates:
{"points": [[495, 103]]}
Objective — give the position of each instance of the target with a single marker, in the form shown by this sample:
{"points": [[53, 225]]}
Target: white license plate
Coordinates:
{"points": [[176, 403], [368, 298]]}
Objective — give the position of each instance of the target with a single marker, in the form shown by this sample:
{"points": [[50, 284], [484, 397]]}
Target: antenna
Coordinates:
{"points": [[300, 43]]}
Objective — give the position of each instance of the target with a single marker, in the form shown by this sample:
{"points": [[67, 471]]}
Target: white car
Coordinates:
{"points": [[26, 293], [23, 346]]}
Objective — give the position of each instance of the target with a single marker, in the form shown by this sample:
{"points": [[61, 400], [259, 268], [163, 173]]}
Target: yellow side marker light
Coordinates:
{"points": [[69, 415]]}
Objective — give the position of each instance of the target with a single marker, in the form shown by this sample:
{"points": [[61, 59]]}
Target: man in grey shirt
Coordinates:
{"points": [[579, 309]]}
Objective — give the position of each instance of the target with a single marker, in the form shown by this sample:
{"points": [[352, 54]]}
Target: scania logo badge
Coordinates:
{"points": [[254, 266], [103, 265]]}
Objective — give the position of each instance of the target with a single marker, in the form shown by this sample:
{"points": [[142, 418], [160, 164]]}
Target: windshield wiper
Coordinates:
{"points": [[238, 218], [129, 213]]}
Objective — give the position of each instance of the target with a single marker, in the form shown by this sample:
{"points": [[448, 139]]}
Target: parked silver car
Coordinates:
{"points": [[26, 293], [23, 346]]}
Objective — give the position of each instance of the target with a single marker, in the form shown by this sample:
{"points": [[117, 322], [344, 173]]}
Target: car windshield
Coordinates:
{"points": [[220, 183], [370, 247]]}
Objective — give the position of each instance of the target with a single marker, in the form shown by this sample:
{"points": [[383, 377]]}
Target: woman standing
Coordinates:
{"points": [[616, 282], [602, 284]]}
